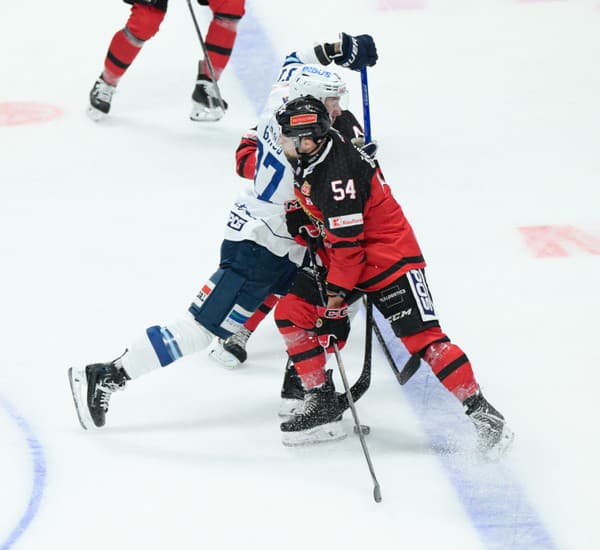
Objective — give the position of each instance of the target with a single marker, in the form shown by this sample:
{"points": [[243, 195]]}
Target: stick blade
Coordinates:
{"points": [[411, 366]]}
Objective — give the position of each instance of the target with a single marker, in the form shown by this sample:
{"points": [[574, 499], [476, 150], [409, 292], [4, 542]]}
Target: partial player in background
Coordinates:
{"points": [[143, 23], [258, 255], [368, 247]]}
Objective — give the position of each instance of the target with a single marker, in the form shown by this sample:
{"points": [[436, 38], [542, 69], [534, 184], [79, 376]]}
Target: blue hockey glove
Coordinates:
{"points": [[356, 51], [369, 149]]}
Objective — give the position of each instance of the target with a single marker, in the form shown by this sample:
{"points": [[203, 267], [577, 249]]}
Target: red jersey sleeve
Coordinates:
{"points": [[245, 155]]}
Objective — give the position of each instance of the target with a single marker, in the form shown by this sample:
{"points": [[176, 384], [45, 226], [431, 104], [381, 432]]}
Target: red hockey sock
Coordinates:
{"points": [[262, 311], [219, 43], [307, 355], [453, 369], [121, 53]]}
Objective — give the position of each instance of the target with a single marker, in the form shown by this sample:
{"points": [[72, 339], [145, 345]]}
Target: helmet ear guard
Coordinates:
{"points": [[305, 116]]}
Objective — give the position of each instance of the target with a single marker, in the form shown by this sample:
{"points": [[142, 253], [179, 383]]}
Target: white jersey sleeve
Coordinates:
{"points": [[258, 213]]}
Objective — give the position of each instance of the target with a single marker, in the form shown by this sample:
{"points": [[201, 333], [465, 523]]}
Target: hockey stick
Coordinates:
{"points": [[364, 85], [342, 370], [364, 380], [411, 366], [211, 70]]}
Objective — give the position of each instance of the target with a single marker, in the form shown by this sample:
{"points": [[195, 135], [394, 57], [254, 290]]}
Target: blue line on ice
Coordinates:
{"points": [[255, 60], [492, 497], [39, 476]]}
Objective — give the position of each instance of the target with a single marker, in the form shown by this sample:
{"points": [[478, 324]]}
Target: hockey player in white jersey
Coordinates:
{"points": [[257, 213], [258, 256]]}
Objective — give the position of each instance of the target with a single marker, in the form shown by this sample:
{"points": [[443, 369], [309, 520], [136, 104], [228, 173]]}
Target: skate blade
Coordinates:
{"points": [[223, 357], [200, 113], [320, 434], [78, 384], [501, 449], [94, 114], [290, 407]]}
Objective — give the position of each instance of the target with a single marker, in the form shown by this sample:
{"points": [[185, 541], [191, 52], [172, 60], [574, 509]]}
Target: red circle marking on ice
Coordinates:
{"points": [[13, 113]]}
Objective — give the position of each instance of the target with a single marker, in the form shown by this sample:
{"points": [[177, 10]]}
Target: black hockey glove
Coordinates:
{"points": [[356, 52], [202, 2], [298, 223], [332, 323], [369, 149]]}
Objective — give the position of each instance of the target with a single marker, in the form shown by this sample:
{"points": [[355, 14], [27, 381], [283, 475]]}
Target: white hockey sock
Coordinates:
{"points": [[160, 346]]}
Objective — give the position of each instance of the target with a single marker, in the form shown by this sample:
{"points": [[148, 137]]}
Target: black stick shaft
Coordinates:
{"points": [[207, 60]]}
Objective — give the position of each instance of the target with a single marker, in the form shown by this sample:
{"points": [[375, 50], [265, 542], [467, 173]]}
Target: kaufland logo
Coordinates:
{"points": [[345, 221], [307, 118]]}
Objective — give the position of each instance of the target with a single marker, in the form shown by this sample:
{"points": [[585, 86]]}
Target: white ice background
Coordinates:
{"points": [[487, 117]]}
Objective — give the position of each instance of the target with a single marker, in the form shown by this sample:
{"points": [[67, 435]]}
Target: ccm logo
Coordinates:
{"points": [[400, 315]]}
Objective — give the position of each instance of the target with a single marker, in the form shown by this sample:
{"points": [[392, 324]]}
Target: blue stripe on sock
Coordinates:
{"points": [[493, 498], [162, 352], [171, 343], [238, 317]]}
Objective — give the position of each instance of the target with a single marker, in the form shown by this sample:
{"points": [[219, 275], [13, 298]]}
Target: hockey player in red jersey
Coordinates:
{"points": [[232, 351], [143, 23], [368, 247]]}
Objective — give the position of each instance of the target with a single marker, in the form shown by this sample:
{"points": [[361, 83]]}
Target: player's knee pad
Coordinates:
{"points": [[224, 304], [227, 9], [144, 21]]}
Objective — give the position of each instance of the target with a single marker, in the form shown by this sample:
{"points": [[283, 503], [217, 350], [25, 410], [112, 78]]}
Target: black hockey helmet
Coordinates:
{"points": [[304, 116]]}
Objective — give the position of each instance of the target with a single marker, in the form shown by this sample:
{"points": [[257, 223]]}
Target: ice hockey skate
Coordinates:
{"points": [[320, 420], [231, 352], [100, 98], [91, 388], [494, 437], [206, 106], [292, 393]]}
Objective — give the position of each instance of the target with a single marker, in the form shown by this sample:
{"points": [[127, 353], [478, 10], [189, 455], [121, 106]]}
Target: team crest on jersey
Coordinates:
{"points": [[236, 222], [418, 284], [346, 221], [305, 189]]}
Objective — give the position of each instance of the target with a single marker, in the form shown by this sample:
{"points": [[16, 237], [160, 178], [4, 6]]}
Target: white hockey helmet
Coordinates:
{"points": [[319, 82]]}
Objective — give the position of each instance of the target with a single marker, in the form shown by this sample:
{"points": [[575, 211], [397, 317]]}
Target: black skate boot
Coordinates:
{"points": [[100, 98], [320, 420], [206, 106], [494, 437], [92, 387], [231, 352], [292, 393]]}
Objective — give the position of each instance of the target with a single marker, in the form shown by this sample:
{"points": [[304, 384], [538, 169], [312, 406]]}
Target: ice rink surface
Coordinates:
{"points": [[486, 112]]}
